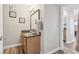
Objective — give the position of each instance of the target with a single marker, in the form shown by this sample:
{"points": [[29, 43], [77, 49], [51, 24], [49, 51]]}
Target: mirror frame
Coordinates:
{"points": [[33, 14]]}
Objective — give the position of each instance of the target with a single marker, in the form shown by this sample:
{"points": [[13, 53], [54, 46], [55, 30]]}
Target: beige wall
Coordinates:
{"points": [[12, 27]]}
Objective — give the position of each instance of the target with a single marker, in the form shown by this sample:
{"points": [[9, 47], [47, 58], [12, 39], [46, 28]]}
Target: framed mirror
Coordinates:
{"points": [[34, 20]]}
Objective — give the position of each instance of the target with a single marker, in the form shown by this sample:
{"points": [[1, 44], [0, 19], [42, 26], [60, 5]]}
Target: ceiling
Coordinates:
{"points": [[70, 7]]}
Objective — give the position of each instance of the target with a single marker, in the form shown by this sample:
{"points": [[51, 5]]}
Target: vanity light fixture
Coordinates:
{"points": [[11, 7]]}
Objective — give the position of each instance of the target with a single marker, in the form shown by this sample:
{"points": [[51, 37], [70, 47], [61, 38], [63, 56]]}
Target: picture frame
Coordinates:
{"points": [[12, 14], [21, 20]]}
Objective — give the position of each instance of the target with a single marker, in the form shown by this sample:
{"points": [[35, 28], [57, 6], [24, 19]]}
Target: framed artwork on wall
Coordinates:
{"points": [[12, 14], [21, 20]]}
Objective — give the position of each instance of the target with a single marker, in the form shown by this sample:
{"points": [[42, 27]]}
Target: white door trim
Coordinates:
{"points": [[61, 28], [1, 29]]}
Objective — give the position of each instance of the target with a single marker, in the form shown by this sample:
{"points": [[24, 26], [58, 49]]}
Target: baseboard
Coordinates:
{"points": [[11, 46], [53, 51]]}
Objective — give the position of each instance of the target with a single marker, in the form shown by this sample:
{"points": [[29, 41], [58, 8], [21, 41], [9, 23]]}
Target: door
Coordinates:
{"points": [[1, 31]]}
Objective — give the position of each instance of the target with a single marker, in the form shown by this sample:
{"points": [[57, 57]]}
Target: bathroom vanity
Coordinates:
{"points": [[31, 38], [30, 43]]}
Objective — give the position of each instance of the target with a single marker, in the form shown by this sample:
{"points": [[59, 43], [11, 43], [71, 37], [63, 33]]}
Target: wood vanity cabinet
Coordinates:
{"points": [[31, 45]]}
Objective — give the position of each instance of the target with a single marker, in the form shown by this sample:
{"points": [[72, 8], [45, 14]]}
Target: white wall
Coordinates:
{"points": [[51, 28], [12, 27]]}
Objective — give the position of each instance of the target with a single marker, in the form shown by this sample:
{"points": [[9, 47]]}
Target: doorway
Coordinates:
{"points": [[70, 24]]}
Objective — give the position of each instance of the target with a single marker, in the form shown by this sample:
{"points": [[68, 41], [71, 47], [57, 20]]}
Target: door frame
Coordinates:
{"points": [[61, 22], [1, 41]]}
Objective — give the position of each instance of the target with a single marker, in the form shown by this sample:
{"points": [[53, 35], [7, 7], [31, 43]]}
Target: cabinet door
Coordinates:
{"points": [[36, 44], [33, 45], [25, 44]]}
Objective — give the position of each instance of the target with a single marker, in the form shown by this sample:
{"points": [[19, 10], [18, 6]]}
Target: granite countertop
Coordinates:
{"points": [[29, 34]]}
